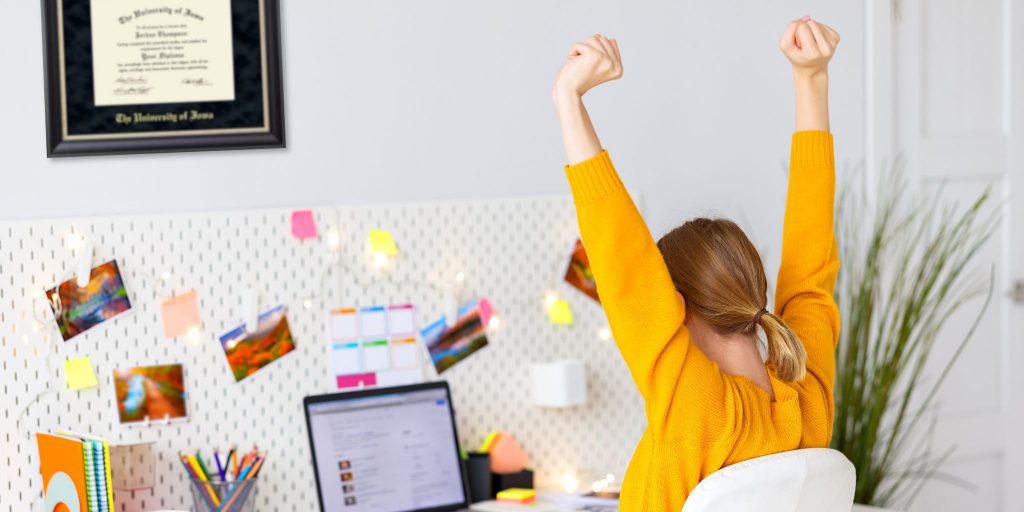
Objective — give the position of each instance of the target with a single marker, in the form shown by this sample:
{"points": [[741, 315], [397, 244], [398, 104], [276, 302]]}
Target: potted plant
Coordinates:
{"points": [[905, 268]]}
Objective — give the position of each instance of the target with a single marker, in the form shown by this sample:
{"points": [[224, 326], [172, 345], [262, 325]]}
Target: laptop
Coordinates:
{"points": [[387, 450]]}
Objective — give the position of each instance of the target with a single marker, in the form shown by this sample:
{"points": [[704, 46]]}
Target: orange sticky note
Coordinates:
{"points": [[507, 456], [303, 224], [180, 314]]}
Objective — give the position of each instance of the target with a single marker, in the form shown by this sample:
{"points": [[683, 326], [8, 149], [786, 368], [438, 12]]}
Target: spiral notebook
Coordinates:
{"points": [[76, 472]]}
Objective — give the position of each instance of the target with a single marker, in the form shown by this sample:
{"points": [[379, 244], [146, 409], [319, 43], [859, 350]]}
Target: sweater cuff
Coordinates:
{"points": [[812, 149], [593, 179]]}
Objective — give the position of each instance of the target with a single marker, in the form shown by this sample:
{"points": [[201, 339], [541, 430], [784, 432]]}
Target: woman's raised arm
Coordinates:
{"points": [[644, 310], [809, 258]]}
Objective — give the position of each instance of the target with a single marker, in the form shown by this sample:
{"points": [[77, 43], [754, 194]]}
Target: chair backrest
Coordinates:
{"points": [[808, 480]]}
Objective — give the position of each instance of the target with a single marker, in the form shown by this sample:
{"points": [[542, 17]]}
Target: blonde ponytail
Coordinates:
{"points": [[785, 350]]}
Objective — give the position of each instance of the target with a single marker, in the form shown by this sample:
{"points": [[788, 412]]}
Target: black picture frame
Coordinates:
{"points": [[75, 126]]}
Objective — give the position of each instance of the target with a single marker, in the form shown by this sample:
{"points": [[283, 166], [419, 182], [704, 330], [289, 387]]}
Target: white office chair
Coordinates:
{"points": [[808, 480]]}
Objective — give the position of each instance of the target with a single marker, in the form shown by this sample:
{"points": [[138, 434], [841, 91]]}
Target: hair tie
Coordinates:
{"points": [[759, 314]]}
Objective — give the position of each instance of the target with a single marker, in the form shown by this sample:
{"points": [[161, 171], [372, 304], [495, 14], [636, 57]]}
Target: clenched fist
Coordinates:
{"points": [[809, 46], [591, 63]]}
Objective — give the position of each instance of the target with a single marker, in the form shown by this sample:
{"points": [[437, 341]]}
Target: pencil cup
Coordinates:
{"points": [[220, 496]]}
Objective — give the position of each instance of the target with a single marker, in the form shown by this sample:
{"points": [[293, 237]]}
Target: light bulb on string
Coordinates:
{"points": [[570, 483], [74, 240], [494, 323], [604, 333], [550, 298]]}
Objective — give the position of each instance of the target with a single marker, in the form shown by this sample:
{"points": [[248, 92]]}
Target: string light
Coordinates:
{"points": [[307, 303], [166, 276], [380, 260], [74, 241], [193, 334], [603, 484], [550, 298], [460, 277], [570, 483], [494, 323], [604, 333], [333, 239]]}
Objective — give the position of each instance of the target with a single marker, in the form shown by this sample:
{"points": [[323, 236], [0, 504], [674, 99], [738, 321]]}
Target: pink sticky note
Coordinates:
{"points": [[355, 380], [303, 225], [180, 314], [486, 311]]}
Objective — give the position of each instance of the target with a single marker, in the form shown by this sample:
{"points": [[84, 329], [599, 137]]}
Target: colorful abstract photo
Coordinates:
{"points": [[450, 345], [154, 392], [248, 352], [83, 307], [579, 273]]}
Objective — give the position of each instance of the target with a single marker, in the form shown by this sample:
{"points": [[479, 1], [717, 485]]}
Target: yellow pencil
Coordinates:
{"points": [[202, 476]]}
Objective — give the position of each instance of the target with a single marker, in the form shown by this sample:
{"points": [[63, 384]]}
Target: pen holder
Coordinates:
{"points": [[221, 496]]}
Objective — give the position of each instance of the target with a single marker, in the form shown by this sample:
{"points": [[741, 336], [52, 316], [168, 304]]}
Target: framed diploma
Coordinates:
{"points": [[146, 76]]}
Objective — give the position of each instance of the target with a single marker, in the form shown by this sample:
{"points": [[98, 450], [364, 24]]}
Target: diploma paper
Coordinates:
{"points": [[147, 52]]}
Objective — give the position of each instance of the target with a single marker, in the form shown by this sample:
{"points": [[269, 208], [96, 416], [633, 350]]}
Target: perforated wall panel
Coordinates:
{"points": [[512, 251]]}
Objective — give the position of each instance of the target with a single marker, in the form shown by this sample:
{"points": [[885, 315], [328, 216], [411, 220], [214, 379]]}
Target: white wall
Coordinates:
{"points": [[400, 100]]}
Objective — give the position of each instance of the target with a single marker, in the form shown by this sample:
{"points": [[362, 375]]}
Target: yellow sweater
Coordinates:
{"points": [[698, 418]]}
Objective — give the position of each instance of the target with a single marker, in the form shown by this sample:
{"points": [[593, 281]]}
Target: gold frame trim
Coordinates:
{"points": [[175, 133]]}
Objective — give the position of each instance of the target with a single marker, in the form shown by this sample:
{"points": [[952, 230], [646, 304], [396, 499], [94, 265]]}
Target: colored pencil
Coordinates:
{"points": [[202, 477], [220, 468], [192, 474]]}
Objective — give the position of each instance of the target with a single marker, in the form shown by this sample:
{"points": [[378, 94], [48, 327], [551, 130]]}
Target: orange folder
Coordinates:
{"points": [[60, 454]]}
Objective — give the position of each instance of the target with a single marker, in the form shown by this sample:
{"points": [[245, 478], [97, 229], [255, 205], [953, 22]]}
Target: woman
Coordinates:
{"points": [[685, 311]]}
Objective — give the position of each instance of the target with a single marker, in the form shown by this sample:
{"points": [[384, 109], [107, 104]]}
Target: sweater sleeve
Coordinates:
{"points": [[644, 311], [810, 261]]}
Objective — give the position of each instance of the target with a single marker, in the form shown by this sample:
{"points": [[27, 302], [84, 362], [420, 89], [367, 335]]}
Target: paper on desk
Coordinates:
{"points": [[494, 506]]}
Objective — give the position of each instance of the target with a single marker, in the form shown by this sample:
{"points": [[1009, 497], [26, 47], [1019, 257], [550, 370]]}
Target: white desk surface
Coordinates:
{"points": [[549, 502]]}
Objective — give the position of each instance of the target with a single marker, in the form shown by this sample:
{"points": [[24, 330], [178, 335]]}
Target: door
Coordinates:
{"points": [[945, 92]]}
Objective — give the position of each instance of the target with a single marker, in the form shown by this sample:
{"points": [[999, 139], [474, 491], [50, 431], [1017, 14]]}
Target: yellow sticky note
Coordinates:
{"points": [[382, 242], [560, 312], [180, 314], [79, 373]]}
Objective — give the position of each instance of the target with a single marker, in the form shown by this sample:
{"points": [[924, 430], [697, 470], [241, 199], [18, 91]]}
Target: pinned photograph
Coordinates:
{"points": [[450, 345], [579, 274], [80, 308], [249, 352], [156, 393]]}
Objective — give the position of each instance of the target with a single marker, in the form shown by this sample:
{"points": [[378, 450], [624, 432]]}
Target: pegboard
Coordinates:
{"points": [[512, 251]]}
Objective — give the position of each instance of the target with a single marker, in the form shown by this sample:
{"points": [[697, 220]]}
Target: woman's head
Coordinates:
{"points": [[720, 276]]}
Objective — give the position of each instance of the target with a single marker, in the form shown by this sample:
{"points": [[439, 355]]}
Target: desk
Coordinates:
{"points": [[551, 502]]}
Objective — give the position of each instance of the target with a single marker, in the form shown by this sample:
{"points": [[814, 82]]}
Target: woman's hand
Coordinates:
{"points": [[591, 63], [809, 46]]}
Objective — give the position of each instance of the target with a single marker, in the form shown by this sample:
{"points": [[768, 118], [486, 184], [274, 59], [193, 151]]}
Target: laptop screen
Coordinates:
{"points": [[387, 452]]}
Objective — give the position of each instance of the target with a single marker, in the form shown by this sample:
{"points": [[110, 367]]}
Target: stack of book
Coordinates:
{"points": [[76, 471]]}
